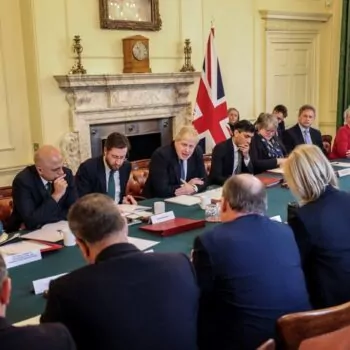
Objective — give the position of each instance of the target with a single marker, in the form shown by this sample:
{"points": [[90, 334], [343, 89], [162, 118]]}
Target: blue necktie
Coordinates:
{"points": [[111, 185], [307, 137], [182, 170]]}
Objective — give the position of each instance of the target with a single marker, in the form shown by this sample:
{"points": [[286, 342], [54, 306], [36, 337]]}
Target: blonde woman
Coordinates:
{"points": [[321, 225]]}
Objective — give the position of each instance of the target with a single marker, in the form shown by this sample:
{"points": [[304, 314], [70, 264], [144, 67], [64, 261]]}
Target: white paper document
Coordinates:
{"points": [[184, 200], [215, 193], [130, 208], [28, 322], [21, 247], [276, 218], [341, 164], [142, 244], [343, 172], [43, 284], [276, 171], [14, 260]]}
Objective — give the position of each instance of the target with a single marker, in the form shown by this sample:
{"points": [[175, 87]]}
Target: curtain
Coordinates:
{"points": [[344, 65]]}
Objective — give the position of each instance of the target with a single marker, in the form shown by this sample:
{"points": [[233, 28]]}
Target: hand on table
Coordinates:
{"points": [[129, 200]]}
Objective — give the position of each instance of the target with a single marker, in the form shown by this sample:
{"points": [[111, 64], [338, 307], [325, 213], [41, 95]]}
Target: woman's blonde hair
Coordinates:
{"points": [[266, 120], [308, 172], [187, 131]]}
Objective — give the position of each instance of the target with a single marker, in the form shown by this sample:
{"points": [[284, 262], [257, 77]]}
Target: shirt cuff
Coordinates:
{"points": [[195, 188]]}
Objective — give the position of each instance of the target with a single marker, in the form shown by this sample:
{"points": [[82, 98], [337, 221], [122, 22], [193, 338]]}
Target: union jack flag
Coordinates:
{"points": [[210, 112]]}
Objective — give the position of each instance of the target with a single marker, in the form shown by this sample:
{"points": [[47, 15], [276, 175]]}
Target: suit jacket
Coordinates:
{"points": [[250, 274], [293, 137], [260, 157], [41, 337], [128, 300], [341, 143], [164, 172], [222, 162], [91, 177], [321, 229], [33, 205]]}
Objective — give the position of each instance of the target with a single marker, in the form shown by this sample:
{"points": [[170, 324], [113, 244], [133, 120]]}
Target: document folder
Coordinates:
{"points": [[173, 226]]}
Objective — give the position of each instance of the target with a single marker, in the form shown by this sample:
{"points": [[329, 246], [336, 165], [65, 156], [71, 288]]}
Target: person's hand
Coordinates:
{"points": [[348, 153], [184, 189], [281, 161], [60, 186], [129, 200], [196, 181], [245, 150]]}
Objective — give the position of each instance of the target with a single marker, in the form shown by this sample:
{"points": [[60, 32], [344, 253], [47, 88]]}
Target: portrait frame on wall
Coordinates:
{"points": [[110, 18]]}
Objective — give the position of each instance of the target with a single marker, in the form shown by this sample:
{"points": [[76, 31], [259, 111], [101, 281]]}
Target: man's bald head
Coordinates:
{"points": [[48, 161], [245, 194]]}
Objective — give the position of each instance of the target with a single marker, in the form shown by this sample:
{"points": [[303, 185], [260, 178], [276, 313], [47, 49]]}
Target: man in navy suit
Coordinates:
{"points": [[108, 173], [177, 169], [302, 132], [281, 113], [232, 156], [125, 298], [41, 337], [248, 269], [43, 192]]}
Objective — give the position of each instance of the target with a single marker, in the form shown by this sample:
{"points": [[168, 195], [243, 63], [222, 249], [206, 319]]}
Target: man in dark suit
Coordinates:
{"points": [[178, 168], [108, 173], [125, 299], [248, 269], [281, 113], [41, 337], [232, 156], [43, 192], [302, 132]]}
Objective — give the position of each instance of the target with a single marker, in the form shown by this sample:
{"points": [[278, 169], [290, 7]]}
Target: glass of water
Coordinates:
{"points": [[212, 213]]}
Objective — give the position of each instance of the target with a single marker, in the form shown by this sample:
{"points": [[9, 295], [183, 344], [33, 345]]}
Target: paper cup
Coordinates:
{"points": [[68, 238], [204, 202], [158, 207]]}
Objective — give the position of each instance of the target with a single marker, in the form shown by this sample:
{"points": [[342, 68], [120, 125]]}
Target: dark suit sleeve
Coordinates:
{"points": [[53, 311], [259, 158], [33, 216], [302, 237], [203, 267], [159, 177], [288, 142], [217, 166], [202, 174], [247, 169], [124, 178], [83, 181]]}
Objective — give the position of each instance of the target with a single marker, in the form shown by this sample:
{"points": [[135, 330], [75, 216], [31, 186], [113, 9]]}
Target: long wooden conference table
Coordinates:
{"points": [[25, 304]]}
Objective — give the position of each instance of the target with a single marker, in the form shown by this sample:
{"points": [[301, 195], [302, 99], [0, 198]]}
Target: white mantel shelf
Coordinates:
{"points": [[76, 81], [120, 98]]}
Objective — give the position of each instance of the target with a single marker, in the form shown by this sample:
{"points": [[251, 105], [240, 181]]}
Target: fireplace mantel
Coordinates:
{"points": [[102, 99]]}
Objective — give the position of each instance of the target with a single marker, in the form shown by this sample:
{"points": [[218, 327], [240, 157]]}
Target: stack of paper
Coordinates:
{"points": [[214, 194], [341, 164], [28, 322], [184, 200], [22, 247], [49, 233]]}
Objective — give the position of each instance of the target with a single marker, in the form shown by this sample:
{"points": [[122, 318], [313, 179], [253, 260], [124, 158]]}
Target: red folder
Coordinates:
{"points": [[173, 226], [270, 181], [49, 245]]}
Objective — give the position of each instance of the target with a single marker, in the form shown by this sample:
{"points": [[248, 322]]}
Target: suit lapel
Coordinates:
{"points": [[39, 184], [101, 174], [175, 165], [230, 156], [299, 134]]}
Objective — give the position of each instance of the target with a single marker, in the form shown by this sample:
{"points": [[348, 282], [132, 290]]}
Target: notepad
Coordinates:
{"points": [[276, 171], [341, 164], [184, 200], [22, 247], [28, 322]]}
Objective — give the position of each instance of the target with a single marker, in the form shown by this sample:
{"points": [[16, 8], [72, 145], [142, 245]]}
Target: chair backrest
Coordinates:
{"points": [[318, 329], [138, 177], [207, 162], [268, 345], [5, 203]]}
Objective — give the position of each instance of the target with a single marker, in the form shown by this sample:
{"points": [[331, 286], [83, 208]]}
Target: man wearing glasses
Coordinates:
{"points": [[109, 173], [43, 192]]}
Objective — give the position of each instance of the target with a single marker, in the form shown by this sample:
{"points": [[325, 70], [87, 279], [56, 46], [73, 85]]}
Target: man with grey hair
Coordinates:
{"points": [[41, 337], [248, 269], [124, 298]]}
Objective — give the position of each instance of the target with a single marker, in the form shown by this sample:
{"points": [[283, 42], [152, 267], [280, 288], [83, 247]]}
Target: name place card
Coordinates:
{"points": [[156, 219], [43, 284], [344, 172], [14, 260]]}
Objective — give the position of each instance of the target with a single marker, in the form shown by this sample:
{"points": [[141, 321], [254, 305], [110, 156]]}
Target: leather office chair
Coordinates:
{"points": [[318, 329], [5, 203], [268, 345], [207, 162], [138, 177]]}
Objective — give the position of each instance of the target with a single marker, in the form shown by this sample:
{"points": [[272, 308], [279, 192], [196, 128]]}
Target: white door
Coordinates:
{"points": [[290, 73]]}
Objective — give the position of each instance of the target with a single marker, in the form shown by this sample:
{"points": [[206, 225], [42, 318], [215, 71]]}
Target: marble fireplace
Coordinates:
{"points": [[149, 108]]}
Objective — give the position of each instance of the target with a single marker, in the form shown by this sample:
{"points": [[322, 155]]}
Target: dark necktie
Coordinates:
{"points": [[182, 170], [49, 188], [238, 169], [111, 185]]}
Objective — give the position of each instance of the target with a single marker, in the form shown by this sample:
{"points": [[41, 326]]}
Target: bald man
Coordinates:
{"points": [[248, 269], [43, 192]]}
